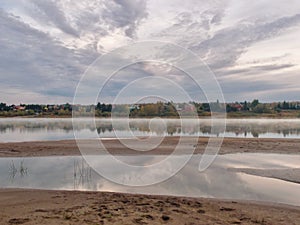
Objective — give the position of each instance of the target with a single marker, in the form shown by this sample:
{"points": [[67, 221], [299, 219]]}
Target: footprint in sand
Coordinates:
{"points": [[18, 220]]}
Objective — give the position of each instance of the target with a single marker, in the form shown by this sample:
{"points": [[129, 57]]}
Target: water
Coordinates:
{"points": [[33, 129], [222, 180]]}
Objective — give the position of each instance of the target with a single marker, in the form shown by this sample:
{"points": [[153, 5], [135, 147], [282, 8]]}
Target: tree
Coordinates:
{"points": [[254, 103], [67, 106], [3, 106], [170, 110], [285, 105], [206, 107], [245, 106], [35, 107], [98, 106], [261, 108]]}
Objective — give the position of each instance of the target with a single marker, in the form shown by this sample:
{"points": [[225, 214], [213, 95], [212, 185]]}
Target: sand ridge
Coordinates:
{"points": [[229, 145]]}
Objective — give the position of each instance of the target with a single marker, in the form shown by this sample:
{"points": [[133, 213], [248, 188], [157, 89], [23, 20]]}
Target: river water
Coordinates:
{"points": [[33, 129]]}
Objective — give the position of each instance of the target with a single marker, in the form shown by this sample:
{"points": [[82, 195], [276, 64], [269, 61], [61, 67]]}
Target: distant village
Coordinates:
{"points": [[161, 109]]}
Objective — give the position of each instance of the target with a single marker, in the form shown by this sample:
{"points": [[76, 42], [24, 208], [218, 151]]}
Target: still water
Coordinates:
{"points": [[222, 180], [38, 129]]}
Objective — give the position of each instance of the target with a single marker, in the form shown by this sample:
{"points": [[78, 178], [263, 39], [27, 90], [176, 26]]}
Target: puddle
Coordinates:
{"points": [[222, 180]]}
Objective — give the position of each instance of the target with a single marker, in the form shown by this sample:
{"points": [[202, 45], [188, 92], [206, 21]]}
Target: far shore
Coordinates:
{"points": [[114, 146], [233, 115]]}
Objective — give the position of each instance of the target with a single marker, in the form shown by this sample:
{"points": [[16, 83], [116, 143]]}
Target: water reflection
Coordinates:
{"points": [[20, 170], [219, 181], [32, 129], [82, 174]]}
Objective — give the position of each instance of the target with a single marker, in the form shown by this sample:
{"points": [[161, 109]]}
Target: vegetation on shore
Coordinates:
{"points": [[159, 109]]}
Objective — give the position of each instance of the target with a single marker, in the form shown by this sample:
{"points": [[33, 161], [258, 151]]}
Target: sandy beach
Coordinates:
{"points": [[65, 207], [229, 145]]}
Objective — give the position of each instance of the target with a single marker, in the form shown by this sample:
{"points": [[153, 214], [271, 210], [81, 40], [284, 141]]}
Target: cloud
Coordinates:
{"points": [[125, 14], [193, 24], [47, 45], [256, 70], [31, 59], [53, 14], [226, 46], [273, 67]]}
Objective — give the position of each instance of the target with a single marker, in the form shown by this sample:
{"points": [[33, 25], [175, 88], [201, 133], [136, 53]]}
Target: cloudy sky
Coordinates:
{"points": [[252, 47]]}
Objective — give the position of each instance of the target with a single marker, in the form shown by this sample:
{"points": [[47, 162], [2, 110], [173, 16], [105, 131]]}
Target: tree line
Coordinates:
{"points": [[159, 109]]}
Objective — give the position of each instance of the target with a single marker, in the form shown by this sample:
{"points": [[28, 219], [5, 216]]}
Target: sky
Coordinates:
{"points": [[252, 48]]}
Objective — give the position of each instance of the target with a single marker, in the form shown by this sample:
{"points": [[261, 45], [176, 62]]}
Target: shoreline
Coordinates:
{"points": [[166, 147], [150, 117], [25, 206], [230, 115]]}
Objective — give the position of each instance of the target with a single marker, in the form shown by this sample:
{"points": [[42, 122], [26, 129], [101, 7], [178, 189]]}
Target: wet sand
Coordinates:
{"points": [[290, 175], [65, 207], [229, 145]]}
